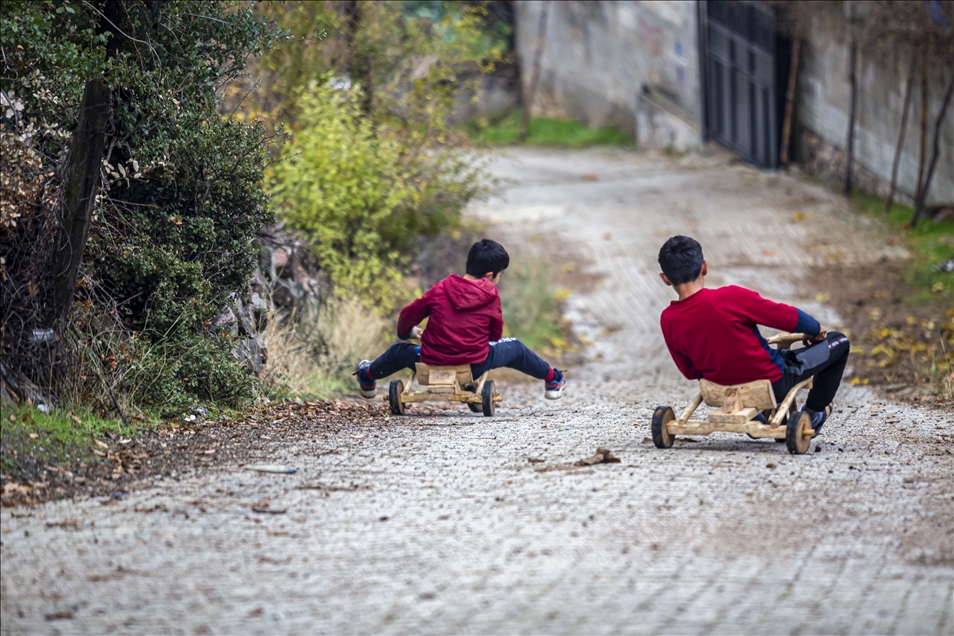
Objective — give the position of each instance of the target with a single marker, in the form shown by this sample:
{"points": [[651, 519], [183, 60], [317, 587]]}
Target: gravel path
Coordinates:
{"points": [[449, 522]]}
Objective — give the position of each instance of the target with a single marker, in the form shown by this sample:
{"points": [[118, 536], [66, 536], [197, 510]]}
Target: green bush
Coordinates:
{"points": [[171, 235], [353, 188]]}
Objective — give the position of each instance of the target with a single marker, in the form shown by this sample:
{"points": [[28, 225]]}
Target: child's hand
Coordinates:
{"points": [[417, 332], [822, 334]]}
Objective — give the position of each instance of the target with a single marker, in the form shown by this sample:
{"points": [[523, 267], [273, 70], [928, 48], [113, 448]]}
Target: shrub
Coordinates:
{"points": [[354, 189], [172, 230]]}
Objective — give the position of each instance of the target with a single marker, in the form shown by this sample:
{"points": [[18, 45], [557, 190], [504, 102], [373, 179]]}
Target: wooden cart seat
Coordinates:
{"points": [[458, 375], [757, 395]]}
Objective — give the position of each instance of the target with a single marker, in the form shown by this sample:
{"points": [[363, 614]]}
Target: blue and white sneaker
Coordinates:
{"points": [[368, 385], [554, 388], [818, 419]]}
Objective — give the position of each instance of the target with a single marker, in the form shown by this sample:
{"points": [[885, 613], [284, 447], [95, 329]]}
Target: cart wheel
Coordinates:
{"points": [[661, 417], [487, 395], [475, 408], [394, 397], [795, 437]]}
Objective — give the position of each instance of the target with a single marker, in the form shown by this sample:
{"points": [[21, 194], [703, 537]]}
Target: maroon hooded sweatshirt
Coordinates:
{"points": [[464, 318]]}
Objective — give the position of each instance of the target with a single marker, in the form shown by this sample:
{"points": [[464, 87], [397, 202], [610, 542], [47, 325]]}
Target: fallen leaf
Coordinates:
{"points": [[101, 444], [65, 523], [534, 460], [33, 435]]}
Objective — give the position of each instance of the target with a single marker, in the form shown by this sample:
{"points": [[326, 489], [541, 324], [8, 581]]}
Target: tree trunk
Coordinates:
{"points": [[790, 97], [904, 126], [82, 184], [935, 151], [853, 80], [530, 90], [924, 109], [359, 67]]}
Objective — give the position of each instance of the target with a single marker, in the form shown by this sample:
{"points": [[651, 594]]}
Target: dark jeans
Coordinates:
{"points": [[508, 352], [825, 360]]}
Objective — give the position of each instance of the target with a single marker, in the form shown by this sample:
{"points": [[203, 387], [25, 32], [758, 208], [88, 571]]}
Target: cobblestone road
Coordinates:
{"points": [[451, 522]]}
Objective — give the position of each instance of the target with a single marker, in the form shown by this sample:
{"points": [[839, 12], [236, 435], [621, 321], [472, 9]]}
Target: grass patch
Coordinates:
{"points": [[930, 243], [531, 308], [60, 436], [314, 358], [543, 131]]}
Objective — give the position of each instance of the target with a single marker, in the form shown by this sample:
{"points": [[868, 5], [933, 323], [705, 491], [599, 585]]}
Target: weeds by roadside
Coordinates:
{"points": [[901, 316], [316, 356], [543, 131]]}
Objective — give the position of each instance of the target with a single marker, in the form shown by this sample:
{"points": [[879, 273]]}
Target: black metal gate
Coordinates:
{"points": [[743, 78]]}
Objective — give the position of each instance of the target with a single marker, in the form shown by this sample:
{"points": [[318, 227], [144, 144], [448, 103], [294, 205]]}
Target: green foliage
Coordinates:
{"points": [[930, 243], [530, 306], [171, 235], [372, 165], [544, 131], [358, 194]]}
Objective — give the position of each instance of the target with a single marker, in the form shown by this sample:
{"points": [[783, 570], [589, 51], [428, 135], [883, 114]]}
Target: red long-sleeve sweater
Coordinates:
{"points": [[714, 334], [465, 317]]}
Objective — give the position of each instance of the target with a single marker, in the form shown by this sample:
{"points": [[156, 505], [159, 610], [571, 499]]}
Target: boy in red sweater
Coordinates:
{"points": [[713, 334], [465, 327]]}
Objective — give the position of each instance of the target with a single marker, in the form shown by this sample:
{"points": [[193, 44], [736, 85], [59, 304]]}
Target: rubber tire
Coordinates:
{"points": [[661, 437], [394, 397], [474, 408], [797, 443], [487, 395]]}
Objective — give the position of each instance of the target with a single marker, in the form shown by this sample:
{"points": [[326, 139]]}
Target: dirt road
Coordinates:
{"points": [[450, 522]]}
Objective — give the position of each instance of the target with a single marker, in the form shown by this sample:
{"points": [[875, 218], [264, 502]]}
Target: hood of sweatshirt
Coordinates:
{"points": [[469, 294]]}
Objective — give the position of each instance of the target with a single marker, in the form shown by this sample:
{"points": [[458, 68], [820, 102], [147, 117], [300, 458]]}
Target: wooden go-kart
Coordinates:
{"points": [[453, 384], [738, 405]]}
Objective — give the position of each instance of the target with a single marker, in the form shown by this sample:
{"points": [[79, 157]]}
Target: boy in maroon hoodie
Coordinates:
{"points": [[713, 334], [465, 327]]}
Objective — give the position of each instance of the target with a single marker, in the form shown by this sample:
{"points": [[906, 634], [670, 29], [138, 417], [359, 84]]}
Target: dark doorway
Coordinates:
{"points": [[743, 78]]}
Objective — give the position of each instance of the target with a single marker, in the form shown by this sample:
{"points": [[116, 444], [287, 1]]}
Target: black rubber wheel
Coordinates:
{"points": [[795, 437], [487, 395], [661, 417], [475, 408], [394, 397]]}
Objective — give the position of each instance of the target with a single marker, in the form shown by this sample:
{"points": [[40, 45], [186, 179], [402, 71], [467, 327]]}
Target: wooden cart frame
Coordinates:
{"points": [[738, 406], [452, 383]]}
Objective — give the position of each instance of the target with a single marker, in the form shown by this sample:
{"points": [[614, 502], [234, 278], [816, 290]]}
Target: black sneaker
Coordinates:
{"points": [[368, 385], [554, 388]]}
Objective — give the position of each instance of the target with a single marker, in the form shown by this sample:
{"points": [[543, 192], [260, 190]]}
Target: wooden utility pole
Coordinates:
{"points": [[904, 126], [82, 184], [530, 91], [790, 96]]}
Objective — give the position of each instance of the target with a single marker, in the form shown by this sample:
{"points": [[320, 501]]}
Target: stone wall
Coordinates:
{"points": [[823, 108], [598, 56]]}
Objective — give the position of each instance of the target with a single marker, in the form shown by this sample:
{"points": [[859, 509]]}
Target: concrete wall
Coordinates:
{"points": [[824, 100], [598, 56]]}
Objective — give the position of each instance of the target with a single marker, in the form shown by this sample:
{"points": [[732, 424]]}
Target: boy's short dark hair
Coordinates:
{"points": [[681, 259], [487, 256]]}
